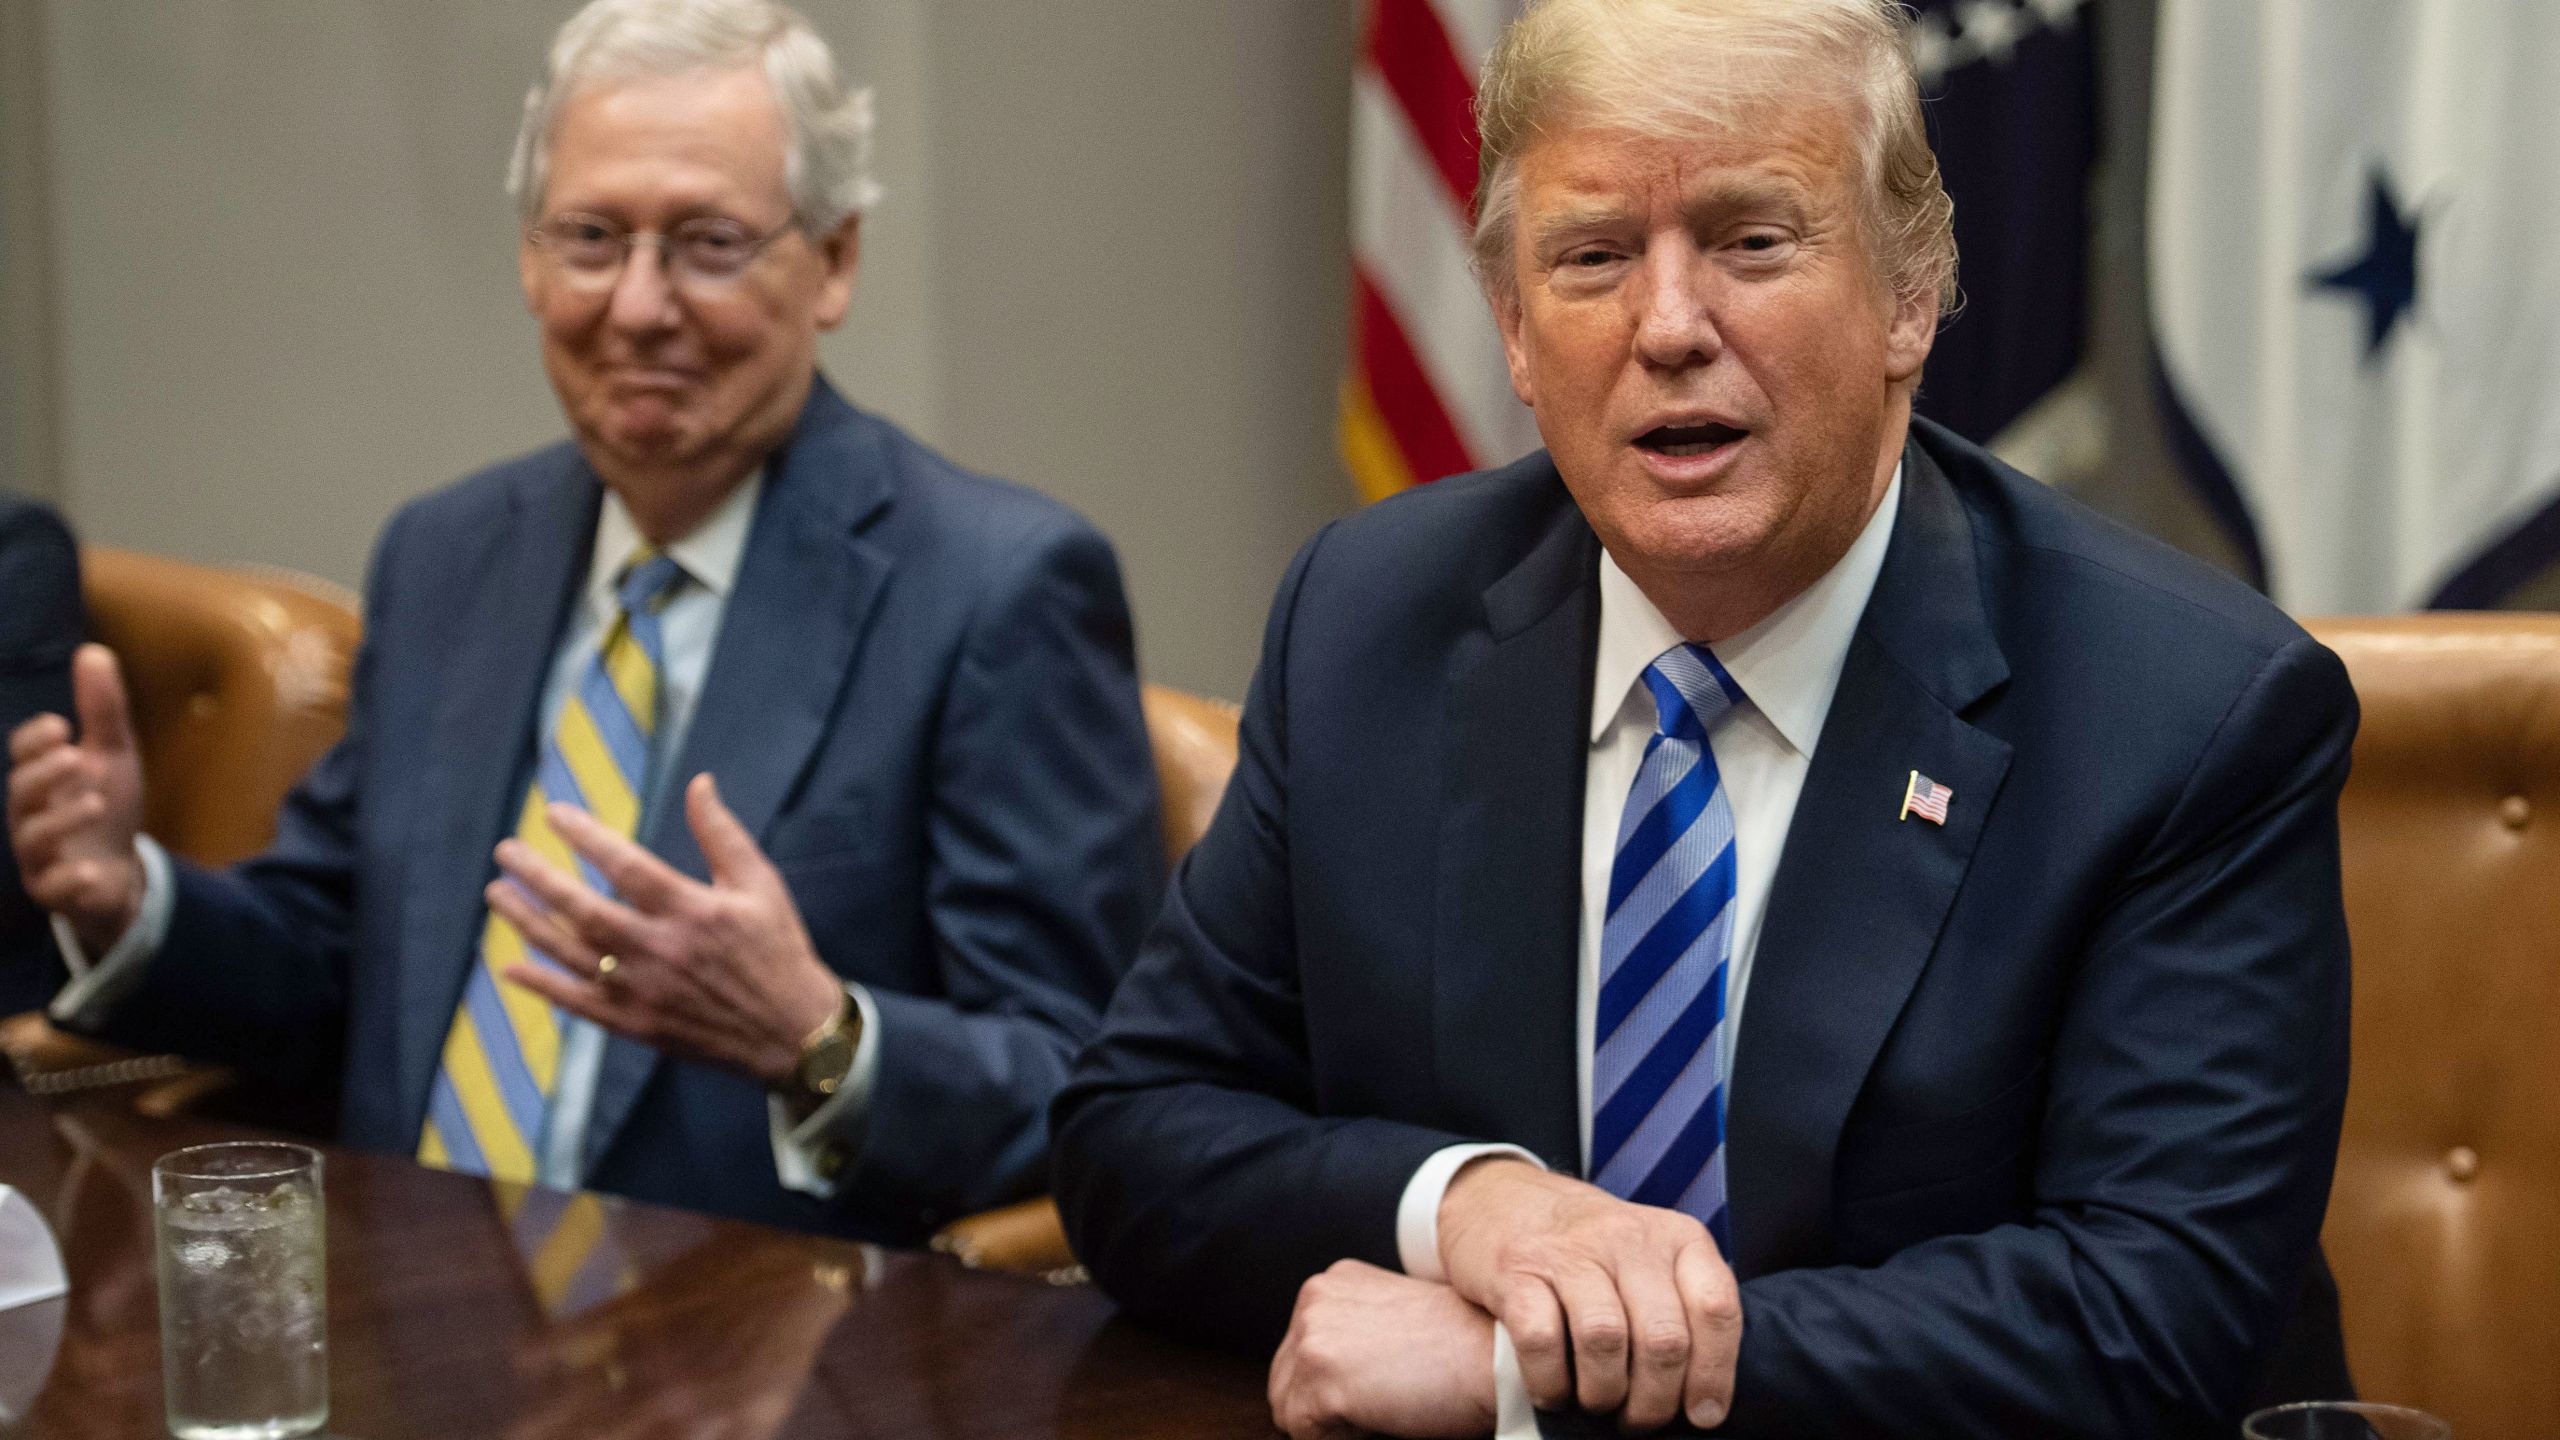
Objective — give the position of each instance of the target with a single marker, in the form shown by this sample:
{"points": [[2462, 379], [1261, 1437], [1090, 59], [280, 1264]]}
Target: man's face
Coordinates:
{"points": [[1717, 371], [659, 372]]}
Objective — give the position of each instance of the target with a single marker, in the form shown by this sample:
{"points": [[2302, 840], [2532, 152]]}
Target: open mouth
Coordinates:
{"points": [[1685, 440]]}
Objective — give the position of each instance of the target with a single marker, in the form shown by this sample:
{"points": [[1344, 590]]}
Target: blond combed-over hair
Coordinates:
{"points": [[1681, 69]]}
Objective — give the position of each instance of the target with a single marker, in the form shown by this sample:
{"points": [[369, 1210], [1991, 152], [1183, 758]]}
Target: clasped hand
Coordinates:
{"points": [[1614, 1306], [723, 972]]}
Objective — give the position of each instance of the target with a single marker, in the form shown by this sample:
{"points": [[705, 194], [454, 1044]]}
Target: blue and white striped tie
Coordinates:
{"points": [[1659, 1039]]}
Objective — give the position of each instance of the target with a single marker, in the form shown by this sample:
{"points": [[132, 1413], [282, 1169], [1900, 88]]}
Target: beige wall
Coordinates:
{"points": [[282, 293]]}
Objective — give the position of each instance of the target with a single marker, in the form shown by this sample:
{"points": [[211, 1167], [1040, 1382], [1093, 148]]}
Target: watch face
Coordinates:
{"points": [[823, 1068]]}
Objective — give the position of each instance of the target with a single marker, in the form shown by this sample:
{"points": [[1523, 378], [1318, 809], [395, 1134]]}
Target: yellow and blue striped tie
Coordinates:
{"points": [[502, 1056]]}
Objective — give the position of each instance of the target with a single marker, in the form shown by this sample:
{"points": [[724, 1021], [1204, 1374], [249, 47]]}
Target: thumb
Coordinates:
{"points": [[97, 691], [726, 845]]}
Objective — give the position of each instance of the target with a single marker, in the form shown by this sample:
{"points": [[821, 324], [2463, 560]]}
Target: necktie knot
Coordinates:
{"points": [[1691, 691], [649, 580]]}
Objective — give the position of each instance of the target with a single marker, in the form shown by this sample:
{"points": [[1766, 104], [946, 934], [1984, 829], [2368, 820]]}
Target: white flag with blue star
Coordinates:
{"points": [[2355, 290]]}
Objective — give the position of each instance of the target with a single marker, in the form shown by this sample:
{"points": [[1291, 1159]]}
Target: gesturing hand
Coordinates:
{"points": [[74, 808], [1639, 1296], [723, 972], [1372, 1350]]}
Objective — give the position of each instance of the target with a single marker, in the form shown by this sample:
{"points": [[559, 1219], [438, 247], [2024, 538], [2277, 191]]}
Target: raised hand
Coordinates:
{"points": [[723, 972], [75, 806]]}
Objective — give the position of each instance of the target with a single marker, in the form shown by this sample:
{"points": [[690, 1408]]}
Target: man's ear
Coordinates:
{"points": [[1911, 330], [840, 251], [1515, 354]]}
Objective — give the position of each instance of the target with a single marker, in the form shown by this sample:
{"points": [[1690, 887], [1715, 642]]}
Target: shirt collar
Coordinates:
{"points": [[709, 552], [1788, 665]]}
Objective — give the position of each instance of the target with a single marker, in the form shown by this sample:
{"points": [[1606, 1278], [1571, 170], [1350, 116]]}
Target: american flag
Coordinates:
{"points": [[1426, 393], [1925, 798]]}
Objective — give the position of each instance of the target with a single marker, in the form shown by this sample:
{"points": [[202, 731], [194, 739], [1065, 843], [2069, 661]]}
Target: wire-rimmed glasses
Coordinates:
{"points": [[706, 252]]}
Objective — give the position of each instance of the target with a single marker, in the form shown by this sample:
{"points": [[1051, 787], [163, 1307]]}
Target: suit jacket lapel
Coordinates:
{"points": [[806, 588], [1860, 895], [1510, 877], [519, 586]]}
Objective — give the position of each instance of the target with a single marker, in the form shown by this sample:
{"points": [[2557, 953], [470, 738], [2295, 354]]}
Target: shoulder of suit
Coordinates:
{"points": [[484, 494], [1466, 530], [2043, 549], [23, 519], [935, 500]]}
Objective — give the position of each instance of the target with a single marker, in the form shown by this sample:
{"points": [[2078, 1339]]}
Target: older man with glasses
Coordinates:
{"points": [[821, 806]]}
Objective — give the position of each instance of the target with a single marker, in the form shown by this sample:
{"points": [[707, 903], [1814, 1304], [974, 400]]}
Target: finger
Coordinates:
{"points": [[97, 689], [1714, 1306], [38, 835], [1597, 1321], [582, 998], [605, 924], [1658, 1346], [734, 856], [36, 736], [1530, 1312], [34, 785], [542, 932], [638, 878]]}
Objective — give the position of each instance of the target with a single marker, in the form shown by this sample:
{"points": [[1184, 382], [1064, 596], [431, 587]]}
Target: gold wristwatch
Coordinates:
{"points": [[826, 1058]]}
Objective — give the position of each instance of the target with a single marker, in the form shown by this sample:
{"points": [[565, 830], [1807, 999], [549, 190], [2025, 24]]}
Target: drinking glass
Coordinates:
{"points": [[2343, 1420], [244, 1317]]}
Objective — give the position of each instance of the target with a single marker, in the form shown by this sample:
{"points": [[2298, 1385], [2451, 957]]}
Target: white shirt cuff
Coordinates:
{"points": [[1418, 1212], [1515, 1415], [96, 986], [808, 1157]]}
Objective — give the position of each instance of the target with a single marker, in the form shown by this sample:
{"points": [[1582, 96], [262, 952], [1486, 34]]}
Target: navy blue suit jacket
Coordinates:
{"points": [[41, 620], [922, 703], [2033, 1113]]}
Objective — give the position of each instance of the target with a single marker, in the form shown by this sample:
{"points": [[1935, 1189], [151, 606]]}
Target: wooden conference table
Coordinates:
{"points": [[438, 1325]]}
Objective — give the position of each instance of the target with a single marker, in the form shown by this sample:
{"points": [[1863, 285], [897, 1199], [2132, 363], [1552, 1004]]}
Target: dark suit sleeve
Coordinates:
{"points": [[1046, 862], [254, 970], [1196, 1179], [2193, 1104], [41, 621]]}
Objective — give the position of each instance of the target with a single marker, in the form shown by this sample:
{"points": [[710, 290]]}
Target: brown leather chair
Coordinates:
{"points": [[238, 681], [1194, 740], [2444, 1227]]}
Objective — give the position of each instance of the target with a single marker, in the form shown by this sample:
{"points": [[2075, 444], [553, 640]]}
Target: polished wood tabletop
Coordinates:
{"points": [[458, 1308]]}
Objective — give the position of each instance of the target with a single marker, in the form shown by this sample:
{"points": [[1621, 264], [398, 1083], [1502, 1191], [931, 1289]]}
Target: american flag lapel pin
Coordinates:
{"points": [[1925, 798]]}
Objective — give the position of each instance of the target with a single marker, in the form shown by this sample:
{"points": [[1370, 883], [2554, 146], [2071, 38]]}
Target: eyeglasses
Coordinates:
{"points": [[707, 251]]}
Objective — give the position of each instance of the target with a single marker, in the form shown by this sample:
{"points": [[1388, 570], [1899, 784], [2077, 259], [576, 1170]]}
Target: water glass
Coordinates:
{"points": [[2343, 1420], [244, 1318]]}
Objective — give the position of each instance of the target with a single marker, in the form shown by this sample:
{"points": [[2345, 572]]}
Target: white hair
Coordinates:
{"points": [[827, 163]]}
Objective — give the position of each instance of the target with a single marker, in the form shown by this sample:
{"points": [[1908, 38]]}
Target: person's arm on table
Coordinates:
{"points": [[1194, 1179]]}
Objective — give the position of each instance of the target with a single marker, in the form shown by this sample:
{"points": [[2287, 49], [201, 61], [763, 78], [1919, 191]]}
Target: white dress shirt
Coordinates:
{"points": [[689, 628], [1788, 666]]}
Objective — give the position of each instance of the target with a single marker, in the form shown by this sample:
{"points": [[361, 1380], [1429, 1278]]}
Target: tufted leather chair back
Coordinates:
{"points": [[238, 681], [1195, 744], [2444, 1228]]}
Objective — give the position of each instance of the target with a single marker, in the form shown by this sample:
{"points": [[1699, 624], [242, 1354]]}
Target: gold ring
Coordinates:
{"points": [[605, 966]]}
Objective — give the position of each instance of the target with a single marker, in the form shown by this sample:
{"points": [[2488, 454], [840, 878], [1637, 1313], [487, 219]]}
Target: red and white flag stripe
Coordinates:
{"points": [[1426, 394]]}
